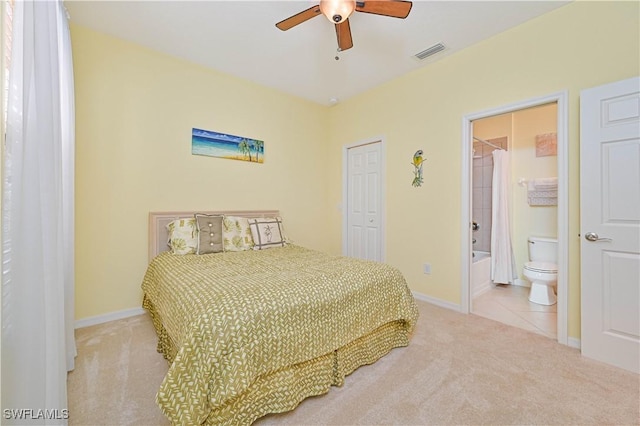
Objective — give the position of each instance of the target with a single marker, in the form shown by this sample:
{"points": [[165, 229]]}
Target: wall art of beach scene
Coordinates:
{"points": [[214, 144]]}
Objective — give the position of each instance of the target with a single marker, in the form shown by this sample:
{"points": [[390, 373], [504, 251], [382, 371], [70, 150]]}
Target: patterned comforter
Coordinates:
{"points": [[241, 329]]}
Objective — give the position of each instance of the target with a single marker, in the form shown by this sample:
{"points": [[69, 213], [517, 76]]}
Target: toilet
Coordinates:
{"points": [[542, 270]]}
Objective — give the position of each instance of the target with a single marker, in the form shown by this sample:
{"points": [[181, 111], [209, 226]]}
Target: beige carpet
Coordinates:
{"points": [[458, 369]]}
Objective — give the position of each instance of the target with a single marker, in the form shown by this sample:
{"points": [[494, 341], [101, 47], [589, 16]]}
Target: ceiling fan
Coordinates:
{"points": [[338, 12]]}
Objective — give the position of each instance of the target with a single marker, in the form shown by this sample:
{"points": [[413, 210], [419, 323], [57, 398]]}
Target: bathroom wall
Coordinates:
{"points": [[521, 128], [496, 130], [529, 220]]}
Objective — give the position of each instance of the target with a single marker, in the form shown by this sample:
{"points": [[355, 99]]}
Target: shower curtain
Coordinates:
{"points": [[503, 268]]}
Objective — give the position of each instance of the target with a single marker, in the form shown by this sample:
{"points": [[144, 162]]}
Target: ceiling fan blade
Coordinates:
{"points": [[299, 18], [343, 32], [393, 8]]}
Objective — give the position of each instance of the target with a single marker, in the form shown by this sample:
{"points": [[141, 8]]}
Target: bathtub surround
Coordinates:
{"points": [[480, 273], [481, 199]]}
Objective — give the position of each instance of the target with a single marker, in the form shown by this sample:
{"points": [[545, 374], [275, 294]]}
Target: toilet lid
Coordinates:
{"points": [[541, 267]]}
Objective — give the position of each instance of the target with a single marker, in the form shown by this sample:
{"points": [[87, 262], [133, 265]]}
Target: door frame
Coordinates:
{"points": [[345, 192], [560, 98]]}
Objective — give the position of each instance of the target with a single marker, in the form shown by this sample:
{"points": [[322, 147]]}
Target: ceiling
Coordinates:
{"points": [[240, 38]]}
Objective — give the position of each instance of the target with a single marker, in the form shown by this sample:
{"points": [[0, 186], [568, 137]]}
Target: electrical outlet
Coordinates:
{"points": [[426, 268]]}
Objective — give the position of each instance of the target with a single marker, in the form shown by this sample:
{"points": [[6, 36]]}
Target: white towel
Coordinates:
{"points": [[543, 184]]}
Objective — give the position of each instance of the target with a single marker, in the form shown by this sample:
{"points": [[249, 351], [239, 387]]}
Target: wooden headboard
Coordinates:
{"points": [[158, 234]]}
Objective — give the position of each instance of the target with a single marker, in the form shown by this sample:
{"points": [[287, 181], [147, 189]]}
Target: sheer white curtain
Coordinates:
{"points": [[503, 265], [38, 347]]}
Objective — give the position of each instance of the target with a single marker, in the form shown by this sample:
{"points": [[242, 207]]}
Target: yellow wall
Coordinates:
{"points": [[581, 45], [135, 109]]}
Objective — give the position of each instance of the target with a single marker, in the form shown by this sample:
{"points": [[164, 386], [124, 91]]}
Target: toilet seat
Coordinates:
{"points": [[544, 267]]}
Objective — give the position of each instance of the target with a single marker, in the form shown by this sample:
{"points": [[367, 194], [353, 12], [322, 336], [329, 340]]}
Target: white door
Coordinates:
{"points": [[610, 223], [364, 230]]}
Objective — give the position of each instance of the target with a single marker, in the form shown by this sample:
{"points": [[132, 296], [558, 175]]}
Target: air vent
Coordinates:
{"points": [[430, 51]]}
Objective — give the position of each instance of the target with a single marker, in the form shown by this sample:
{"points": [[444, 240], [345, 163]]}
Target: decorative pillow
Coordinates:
{"points": [[267, 233], [236, 235], [183, 236], [209, 233]]}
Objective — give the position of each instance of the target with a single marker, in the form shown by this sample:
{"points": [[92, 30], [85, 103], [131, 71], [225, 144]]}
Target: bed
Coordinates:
{"points": [[253, 332]]}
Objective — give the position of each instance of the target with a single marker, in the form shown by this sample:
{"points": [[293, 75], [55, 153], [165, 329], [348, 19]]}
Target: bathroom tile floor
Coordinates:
{"points": [[509, 304]]}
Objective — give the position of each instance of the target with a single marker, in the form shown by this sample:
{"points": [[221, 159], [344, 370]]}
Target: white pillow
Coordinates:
{"points": [[267, 233], [183, 236]]}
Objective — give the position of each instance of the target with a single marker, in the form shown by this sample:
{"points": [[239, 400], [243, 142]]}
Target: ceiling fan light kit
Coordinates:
{"points": [[338, 12]]}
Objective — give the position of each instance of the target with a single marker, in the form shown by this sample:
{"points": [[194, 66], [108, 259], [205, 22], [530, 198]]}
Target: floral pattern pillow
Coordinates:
{"points": [[183, 236], [236, 235]]}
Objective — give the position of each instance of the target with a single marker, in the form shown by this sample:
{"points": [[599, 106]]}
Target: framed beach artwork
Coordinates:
{"points": [[214, 144]]}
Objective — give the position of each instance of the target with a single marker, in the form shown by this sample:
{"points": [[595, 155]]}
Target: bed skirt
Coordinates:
{"points": [[282, 390]]}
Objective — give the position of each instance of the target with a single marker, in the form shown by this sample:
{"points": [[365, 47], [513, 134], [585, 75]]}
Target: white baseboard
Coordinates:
{"points": [[482, 288], [572, 342], [111, 316], [521, 282], [436, 301]]}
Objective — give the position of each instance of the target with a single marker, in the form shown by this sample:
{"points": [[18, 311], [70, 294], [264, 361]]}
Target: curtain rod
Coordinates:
{"points": [[488, 143]]}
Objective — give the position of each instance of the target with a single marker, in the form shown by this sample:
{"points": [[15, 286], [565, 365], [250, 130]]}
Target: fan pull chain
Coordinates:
{"points": [[337, 58]]}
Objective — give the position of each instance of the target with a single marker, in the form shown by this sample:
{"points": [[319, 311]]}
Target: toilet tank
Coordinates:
{"points": [[542, 249]]}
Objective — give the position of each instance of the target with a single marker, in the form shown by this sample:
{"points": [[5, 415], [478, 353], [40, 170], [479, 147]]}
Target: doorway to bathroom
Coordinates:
{"points": [[509, 198]]}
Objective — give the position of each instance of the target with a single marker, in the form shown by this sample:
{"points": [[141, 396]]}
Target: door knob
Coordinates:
{"points": [[371, 220], [592, 236]]}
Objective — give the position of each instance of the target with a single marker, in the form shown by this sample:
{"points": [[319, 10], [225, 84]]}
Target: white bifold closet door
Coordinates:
{"points": [[364, 227]]}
